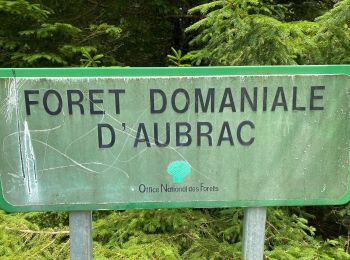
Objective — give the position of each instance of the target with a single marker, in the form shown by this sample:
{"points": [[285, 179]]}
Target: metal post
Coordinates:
{"points": [[254, 233], [80, 233]]}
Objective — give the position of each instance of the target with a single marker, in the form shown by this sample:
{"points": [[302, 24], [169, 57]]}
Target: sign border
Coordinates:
{"points": [[175, 72]]}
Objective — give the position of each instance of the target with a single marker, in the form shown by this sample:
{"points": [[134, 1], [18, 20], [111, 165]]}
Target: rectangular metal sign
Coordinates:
{"points": [[83, 139]]}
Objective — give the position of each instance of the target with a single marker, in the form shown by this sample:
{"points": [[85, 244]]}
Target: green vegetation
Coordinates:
{"points": [[54, 33], [240, 32], [170, 234]]}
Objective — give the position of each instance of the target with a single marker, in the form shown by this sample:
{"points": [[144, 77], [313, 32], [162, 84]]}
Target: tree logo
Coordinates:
{"points": [[178, 170]]}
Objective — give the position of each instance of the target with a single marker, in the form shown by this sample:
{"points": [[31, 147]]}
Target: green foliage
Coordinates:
{"points": [[104, 28], [22, 239], [306, 10], [289, 236], [166, 234], [29, 39], [333, 37], [23, 9], [88, 60], [177, 59], [240, 33], [249, 32], [51, 30]]}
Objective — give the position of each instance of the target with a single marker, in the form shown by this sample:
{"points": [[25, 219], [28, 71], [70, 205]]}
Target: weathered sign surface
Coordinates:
{"points": [[174, 137]]}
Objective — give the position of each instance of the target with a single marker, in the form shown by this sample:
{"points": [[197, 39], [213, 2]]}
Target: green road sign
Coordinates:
{"points": [[84, 139]]}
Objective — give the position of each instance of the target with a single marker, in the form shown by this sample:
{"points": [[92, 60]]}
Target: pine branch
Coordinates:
{"points": [[29, 231]]}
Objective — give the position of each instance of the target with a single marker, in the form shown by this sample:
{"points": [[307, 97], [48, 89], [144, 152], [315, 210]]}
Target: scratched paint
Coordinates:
{"points": [[29, 164], [53, 161]]}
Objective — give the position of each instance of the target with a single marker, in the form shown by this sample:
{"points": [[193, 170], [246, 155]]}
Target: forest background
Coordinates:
{"points": [[66, 33]]}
